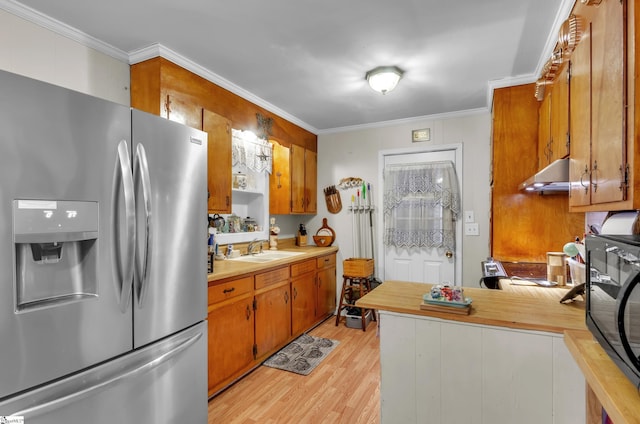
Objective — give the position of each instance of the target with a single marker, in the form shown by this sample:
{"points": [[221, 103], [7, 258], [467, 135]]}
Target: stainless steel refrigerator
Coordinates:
{"points": [[102, 261]]}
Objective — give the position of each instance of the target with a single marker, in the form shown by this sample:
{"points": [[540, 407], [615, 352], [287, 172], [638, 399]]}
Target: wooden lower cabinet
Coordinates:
{"points": [[326, 286], [272, 319], [231, 331], [252, 317], [303, 291]]}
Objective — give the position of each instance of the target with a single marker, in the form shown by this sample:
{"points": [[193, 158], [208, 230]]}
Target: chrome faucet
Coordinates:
{"points": [[252, 246]]}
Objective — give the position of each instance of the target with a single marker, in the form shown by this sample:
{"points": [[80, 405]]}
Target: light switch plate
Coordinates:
{"points": [[468, 216]]}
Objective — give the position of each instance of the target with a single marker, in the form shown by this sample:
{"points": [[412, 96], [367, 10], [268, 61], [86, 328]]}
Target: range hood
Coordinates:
{"points": [[553, 178]]}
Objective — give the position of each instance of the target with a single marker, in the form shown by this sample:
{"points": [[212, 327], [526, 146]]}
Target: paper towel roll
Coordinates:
{"points": [[621, 223]]}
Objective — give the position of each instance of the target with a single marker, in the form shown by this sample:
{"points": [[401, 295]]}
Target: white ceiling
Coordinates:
{"points": [[307, 59]]}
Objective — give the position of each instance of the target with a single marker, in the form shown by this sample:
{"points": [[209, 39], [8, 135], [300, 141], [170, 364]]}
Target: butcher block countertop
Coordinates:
{"points": [[613, 389], [514, 307], [230, 268]]}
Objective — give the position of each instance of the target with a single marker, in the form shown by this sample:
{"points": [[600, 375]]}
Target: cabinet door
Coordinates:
{"points": [[230, 341], [560, 115], [182, 109], [326, 298], [298, 201], [280, 181], [544, 131], [219, 161], [273, 319], [310, 181], [303, 304], [580, 123], [608, 101]]}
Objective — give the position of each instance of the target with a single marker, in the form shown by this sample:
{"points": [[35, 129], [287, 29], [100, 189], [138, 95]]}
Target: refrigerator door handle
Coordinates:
{"points": [[141, 178], [123, 264], [130, 373]]}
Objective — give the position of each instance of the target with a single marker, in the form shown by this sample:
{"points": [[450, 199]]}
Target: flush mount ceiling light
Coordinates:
{"points": [[384, 78]]}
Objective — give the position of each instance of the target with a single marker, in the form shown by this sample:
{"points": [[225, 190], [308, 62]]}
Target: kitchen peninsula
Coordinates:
{"points": [[505, 362]]}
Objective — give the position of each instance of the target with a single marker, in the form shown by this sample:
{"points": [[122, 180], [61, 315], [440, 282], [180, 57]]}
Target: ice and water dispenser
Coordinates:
{"points": [[55, 252]]}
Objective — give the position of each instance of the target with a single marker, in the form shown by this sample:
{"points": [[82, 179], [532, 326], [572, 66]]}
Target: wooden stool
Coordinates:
{"points": [[354, 288]]}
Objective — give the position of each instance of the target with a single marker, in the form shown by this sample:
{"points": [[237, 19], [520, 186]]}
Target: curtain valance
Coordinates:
{"points": [[421, 205]]}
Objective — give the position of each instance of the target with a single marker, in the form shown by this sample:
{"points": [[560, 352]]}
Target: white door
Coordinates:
{"points": [[423, 265]]}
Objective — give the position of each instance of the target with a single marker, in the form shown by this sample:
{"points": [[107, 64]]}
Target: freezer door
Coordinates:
{"points": [[61, 303], [170, 174], [163, 383]]}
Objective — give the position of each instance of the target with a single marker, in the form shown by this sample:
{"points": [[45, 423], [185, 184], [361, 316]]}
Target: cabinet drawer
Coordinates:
{"points": [[224, 291], [303, 267], [272, 277], [326, 261]]}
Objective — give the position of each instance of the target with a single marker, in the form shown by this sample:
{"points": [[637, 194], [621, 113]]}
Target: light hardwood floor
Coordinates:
{"points": [[344, 388]]}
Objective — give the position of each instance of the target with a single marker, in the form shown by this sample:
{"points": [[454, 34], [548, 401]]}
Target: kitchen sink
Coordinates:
{"points": [[267, 256]]}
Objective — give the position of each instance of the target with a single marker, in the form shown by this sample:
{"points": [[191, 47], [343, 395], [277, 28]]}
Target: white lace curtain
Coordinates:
{"points": [[421, 205]]}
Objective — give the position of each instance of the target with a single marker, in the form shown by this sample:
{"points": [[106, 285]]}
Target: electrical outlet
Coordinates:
{"points": [[468, 216], [471, 229]]}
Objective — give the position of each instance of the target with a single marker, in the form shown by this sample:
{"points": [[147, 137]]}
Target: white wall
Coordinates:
{"points": [[355, 154], [36, 52]]}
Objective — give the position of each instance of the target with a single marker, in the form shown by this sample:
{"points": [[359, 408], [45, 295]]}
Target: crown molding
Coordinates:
{"points": [[156, 50], [63, 29]]}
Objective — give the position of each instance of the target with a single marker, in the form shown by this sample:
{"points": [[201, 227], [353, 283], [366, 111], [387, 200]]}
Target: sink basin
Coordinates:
{"points": [[267, 256]]}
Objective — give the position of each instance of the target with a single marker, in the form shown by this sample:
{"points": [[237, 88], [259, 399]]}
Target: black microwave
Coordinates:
{"points": [[613, 298]]}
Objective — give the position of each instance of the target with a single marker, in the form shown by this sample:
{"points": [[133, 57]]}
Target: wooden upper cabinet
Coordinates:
{"points": [[608, 103], [280, 181], [182, 109], [292, 185], [218, 129], [598, 110], [163, 88], [298, 200], [553, 121], [544, 132], [560, 115], [580, 123], [310, 181], [303, 180]]}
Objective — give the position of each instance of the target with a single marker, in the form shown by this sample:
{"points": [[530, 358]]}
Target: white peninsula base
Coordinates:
{"points": [[447, 372]]}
